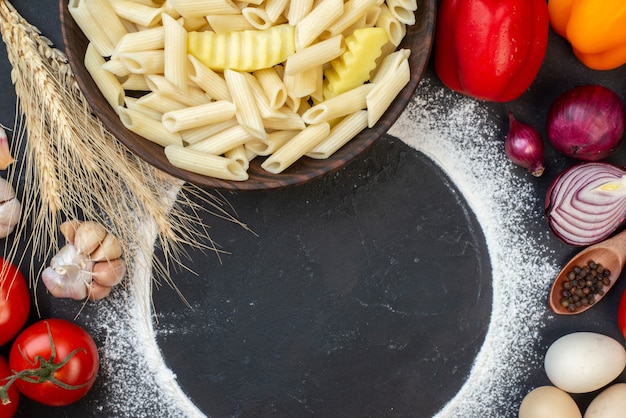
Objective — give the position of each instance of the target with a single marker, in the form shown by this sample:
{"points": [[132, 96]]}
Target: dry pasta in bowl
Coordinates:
{"points": [[248, 95]]}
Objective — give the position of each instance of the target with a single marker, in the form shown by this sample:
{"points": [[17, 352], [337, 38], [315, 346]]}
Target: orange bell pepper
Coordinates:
{"points": [[596, 29]]}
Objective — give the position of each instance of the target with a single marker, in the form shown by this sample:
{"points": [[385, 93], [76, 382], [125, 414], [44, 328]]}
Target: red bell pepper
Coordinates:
{"points": [[621, 314], [490, 49]]}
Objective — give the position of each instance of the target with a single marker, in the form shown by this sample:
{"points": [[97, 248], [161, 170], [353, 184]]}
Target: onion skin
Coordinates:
{"points": [[523, 146], [586, 123], [586, 203]]}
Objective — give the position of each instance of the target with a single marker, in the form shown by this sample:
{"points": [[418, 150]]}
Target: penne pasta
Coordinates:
{"points": [[297, 10], [338, 106], [107, 83], [273, 86], [340, 135], [191, 136], [353, 11], [196, 23], [220, 82], [228, 23], [143, 62], [151, 129], [262, 101], [151, 3], [86, 22], [403, 10], [395, 29], [390, 64], [159, 103], [297, 147], [226, 140], [205, 164], [141, 14], [317, 21], [135, 82], [272, 143], [315, 55], [257, 17], [241, 156], [304, 83], [208, 80], [116, 67], [247, 113], [288, 121], [161, 85], [175, 53], [132, 103], [275, 8], [201, 8], [104, 16], [145, 40], [394, 75], [196, 116]]}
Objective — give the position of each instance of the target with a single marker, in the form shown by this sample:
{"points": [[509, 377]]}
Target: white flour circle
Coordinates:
{"points": [[458, 136]]}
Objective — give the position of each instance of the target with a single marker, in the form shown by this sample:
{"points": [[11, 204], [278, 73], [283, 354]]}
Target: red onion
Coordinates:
{"points": [[524, 146], [587, 202], [586, 122]]}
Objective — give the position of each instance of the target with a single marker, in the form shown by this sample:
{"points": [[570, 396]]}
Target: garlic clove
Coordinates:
{"points": [[109, 249], [6, 158], [68, 229], [89, 235], [69, 274], [5, 230], [109, 273], [10, 212], [7, 192], [69, 259], [97, 291], [60, 287]]}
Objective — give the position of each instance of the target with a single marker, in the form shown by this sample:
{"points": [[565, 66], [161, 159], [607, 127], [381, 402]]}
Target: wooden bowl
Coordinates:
{"points": [[419, 40]]}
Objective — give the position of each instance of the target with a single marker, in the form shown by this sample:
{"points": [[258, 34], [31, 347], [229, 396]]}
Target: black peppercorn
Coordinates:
{"points": [[583, 285]]}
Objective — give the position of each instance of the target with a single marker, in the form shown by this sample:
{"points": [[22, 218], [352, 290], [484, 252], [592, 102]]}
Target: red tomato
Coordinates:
{"points": [[8, 410], [14, 301], [621, 314], [65, 351]]}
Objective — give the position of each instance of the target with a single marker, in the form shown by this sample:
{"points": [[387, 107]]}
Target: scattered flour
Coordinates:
{"points": [[460, 138]]}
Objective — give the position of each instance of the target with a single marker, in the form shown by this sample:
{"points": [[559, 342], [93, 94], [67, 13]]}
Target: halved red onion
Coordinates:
{"points": [[586, 203]]}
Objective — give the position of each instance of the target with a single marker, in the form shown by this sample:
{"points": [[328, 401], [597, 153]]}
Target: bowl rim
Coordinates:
{"points": [[304, 170]]}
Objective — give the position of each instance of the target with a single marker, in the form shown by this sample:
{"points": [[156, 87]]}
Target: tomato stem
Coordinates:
{"points": [[43, 372]]}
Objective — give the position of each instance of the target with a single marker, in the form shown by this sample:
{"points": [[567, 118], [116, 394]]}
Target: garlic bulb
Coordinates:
{"points": [[10, 208], [88, 266]]}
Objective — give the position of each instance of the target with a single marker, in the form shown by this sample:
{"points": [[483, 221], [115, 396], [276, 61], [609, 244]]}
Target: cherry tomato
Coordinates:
{"points": [[8, 410], [621, 314], [57, 361], [14, 301]]}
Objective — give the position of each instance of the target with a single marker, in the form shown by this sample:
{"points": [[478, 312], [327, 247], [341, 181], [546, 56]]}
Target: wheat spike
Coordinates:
{"points": [[73, 167]]}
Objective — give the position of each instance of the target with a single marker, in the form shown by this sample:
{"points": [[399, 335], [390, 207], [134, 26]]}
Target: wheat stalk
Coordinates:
{"points": [[73, 167]]}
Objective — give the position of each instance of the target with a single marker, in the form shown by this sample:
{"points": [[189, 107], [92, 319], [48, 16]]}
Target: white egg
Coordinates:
{"points": [[582, 362], [610, 403], [548, 402]]}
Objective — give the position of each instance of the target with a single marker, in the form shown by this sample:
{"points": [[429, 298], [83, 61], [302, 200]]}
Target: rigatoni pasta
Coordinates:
{"points": [[218, 83]]}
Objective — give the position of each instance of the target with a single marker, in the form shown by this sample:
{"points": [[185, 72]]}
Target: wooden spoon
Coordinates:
{"points": [[611, 253]]}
